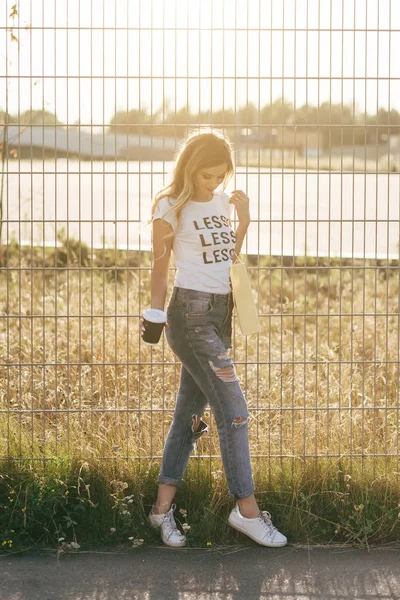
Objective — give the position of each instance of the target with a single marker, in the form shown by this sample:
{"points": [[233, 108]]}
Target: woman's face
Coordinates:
{"points": [[209, 179]]}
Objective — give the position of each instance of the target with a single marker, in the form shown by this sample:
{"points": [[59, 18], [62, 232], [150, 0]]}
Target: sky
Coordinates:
{"points": [[85, 59]]}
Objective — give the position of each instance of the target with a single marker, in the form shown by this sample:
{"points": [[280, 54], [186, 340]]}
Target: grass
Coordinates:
{"points": [[85, 408]]}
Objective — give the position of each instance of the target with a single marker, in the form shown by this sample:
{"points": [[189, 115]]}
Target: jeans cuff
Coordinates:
{"points": [[169, 481], [243, 494]]}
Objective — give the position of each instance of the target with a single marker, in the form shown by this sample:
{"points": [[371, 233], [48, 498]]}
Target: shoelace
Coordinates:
{"points": [[171, 525], [266, 520]]}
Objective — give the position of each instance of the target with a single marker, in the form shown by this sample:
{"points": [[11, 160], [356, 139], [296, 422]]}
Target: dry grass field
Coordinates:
{"points": [[321, 379]]}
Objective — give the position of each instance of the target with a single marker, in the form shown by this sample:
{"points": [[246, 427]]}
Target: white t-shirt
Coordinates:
{"points": [[203, 244]]}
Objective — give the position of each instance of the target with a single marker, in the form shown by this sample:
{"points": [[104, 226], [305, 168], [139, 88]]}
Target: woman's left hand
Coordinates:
{"points": [[242, 204]]}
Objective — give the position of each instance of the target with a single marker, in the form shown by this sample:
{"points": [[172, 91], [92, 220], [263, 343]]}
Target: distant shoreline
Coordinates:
{"points": [[268, 158], [41, 143], [323, 163]]}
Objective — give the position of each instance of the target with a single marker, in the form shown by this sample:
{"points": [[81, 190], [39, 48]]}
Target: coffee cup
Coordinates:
{"points": [[153, 323]]}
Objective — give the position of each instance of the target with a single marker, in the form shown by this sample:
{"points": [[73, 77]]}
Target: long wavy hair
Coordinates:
{"points": [[200, 151]]}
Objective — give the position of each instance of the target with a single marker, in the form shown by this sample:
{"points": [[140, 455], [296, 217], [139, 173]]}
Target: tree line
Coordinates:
{"points": [[337, 124]]}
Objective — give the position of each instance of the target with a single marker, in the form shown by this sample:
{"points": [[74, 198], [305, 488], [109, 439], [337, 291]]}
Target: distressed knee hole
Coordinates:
{"points": [[240, 422], [226, 374]]}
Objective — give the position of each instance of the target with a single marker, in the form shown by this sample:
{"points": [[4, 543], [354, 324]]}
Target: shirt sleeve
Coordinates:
{"points": [[163, 211]]}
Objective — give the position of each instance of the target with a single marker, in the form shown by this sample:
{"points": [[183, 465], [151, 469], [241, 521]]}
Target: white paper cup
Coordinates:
{"points": [[153, 321]]}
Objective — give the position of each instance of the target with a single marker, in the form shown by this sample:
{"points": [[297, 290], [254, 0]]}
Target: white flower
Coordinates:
{"points": [[75, 545]]}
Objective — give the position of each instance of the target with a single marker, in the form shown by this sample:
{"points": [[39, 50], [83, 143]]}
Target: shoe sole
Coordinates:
{"points": [[271, 545], [174, 545]]}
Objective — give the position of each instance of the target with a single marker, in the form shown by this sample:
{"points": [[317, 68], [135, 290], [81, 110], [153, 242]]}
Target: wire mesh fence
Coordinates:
{"points": [[95, 98]]}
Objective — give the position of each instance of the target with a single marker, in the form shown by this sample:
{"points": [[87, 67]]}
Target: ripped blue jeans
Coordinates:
{"points": [[199, 333]]}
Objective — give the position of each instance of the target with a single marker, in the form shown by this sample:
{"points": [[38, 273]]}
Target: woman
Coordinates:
{"points": [[192, 220]]}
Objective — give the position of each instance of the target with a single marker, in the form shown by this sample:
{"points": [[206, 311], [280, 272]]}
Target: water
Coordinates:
{"points": [[318, 214]]}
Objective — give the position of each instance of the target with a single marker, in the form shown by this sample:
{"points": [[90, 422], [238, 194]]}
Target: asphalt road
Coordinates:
{"points": [[245, 572]]}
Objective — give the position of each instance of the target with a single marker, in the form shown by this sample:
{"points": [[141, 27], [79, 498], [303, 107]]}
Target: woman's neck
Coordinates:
{"points": [[203, 197]]}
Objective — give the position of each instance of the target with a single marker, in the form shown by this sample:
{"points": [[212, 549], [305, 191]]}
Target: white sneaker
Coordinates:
{"points": [[170, 534], [260, 529]]}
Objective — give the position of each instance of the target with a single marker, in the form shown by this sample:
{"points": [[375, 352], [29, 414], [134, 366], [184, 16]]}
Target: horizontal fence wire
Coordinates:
{"points": [[95, 99]]}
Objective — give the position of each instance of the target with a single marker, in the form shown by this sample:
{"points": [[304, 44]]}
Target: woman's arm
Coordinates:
{"points": [[240, 235], [242, 204], [161, 254]]}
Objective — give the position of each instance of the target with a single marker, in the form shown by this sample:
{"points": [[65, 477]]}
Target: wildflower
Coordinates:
{"points": [[218, 475], [209, 543], [136, 543], [74, 545], [112, 530], [66, 492], [52, 491], [11, 499], [12, 492], [185, 527], [12, 530], [119, 486], [183, 512]]}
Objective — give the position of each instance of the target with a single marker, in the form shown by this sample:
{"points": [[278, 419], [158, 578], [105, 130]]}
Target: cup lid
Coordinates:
{"points": [[155, 315]]}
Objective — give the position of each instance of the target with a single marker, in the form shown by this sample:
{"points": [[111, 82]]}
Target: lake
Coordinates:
{"points": [[294, 213]]}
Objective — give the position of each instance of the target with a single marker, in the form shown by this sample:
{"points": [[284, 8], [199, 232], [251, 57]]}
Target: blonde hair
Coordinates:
{"points": [[200, 151]]}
